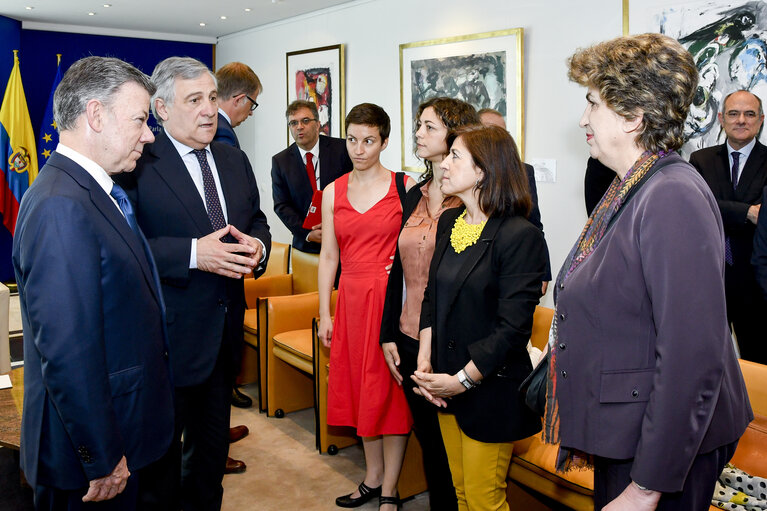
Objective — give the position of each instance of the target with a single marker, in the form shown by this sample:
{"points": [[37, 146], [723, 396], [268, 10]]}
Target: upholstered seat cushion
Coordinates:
{"points": [[538, 457], [295, 348]]}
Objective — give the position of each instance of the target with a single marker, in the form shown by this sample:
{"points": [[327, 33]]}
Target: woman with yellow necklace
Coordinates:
{"points": [[477, 313]]}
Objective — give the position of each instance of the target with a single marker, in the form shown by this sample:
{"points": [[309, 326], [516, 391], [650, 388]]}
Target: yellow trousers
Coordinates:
{"points": [[479, 469]]}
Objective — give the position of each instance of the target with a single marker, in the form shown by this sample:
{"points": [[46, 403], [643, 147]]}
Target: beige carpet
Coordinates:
{"points": [[286, 472]]}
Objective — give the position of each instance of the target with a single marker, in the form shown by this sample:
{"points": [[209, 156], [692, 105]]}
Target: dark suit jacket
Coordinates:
{"points": [[171, 212], [292, 191], [645, 365], [713, 164], [488, 318], [225, 132], [759, 257], [97, 380], [390, 331], [535, 215]]}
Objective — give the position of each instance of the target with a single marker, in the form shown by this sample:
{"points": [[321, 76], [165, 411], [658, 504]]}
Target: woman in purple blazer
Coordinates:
{"points": [[644, 383]]}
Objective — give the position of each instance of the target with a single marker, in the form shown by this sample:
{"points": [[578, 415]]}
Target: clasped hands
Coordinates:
{"points": [[436, 388], [233, 260]]}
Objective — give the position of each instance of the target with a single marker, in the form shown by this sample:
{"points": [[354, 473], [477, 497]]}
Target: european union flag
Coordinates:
{"points": [[49, 136]]}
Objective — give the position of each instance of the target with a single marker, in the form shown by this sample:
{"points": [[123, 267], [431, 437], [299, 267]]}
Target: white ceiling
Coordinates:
{"points": [[179, 19]]}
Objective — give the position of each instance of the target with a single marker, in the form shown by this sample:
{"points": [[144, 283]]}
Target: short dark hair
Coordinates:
{"points": [[90, 78], [369, 114], [298, 105], [237, 78], [503, 191], [453, 113]]}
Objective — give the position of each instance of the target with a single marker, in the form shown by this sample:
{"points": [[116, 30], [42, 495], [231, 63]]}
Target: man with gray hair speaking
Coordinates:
{"points": [[198, 203], [98, 402]]}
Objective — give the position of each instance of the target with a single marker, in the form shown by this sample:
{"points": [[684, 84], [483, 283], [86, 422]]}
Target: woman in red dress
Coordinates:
{"points": [[361, 216]]}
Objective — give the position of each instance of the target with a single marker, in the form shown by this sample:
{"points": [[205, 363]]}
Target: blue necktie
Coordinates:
{"points": [[127, 208]]}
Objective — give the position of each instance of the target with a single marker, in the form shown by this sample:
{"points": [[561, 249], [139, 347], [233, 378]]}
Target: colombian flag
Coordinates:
{"points": [[18, 153]]}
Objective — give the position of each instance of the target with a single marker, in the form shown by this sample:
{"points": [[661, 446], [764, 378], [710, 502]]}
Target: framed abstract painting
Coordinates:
{"points": [[485, 70], [317, 75], [727, 39]]}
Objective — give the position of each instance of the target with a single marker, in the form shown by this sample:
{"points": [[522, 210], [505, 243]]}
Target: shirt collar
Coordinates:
{"points": [[91, 167], [184, 149], [225, 116], [744, 151], [314, 150]]}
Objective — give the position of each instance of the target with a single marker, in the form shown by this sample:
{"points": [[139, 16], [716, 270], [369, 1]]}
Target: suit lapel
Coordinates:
{"points": [[303, 187], [176, 176], [754, 166], [724, 173], [473, 257], [112, 214], [228, 183]]}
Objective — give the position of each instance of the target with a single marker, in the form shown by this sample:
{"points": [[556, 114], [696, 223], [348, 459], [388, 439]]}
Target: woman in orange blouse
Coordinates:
{"points": [[423, 206]]}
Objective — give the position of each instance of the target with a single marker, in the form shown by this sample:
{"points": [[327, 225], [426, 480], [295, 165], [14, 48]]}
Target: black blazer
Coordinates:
{"points": [[292, 191], [488, 320], [390, 331], [171, 212], [714, 165]]}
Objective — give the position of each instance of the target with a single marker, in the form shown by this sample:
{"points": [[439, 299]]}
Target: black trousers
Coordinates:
{"points": [[54, 499], [611, 477], [189, 476], [426, 427], [746, 309]]}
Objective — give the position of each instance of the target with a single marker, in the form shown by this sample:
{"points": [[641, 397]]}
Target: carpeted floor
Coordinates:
{"points": [[285, 471]]}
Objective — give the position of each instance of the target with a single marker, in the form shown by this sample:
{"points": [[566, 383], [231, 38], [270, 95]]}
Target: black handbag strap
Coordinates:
{"points": [[399, 179]]}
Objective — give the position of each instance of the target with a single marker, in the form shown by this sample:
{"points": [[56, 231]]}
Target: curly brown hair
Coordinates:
{"points": [[453, 113], [648, 74]]}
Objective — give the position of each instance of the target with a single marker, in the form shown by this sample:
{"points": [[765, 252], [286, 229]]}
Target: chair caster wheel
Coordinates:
{"points": [[279, 413], [332, 450]]}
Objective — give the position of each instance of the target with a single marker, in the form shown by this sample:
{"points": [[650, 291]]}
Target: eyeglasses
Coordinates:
{"points": [[302, 122], [254, 105], [735, 114]]}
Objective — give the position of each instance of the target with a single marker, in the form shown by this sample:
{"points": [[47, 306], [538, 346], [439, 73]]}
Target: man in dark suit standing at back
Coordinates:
{"points": [[310, 163], [238, 90], [98, 398], [198, 203], [736, 172]]}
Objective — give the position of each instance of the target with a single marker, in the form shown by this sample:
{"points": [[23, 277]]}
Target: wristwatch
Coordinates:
{"points": [[464, 379]]}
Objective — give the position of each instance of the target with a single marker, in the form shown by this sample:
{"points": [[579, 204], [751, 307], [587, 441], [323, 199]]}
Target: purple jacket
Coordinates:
{"points": [[645, 365]]}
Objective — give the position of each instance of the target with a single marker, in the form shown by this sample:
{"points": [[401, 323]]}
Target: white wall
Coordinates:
{"points": [[372, 31]]}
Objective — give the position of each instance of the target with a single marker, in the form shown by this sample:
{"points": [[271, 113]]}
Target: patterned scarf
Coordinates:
{"points": [[592, 234]]}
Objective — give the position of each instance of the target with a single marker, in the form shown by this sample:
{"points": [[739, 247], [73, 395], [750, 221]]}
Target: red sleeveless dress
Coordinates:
{"points": [[361, 391]]}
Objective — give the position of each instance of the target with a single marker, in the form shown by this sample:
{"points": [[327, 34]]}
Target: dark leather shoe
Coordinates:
{"points": [[240, 400], [366, 493], [237, 433], [234, 466]]}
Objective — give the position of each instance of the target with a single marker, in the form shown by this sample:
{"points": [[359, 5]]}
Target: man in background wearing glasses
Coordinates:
{"points": [[238, 90], [736, 172], [309, 164]]}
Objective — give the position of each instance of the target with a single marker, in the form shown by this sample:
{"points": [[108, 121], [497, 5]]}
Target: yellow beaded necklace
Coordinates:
{"points": [[465, 235]]}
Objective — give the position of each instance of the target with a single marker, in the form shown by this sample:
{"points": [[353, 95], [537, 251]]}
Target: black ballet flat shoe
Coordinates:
{"points": [[383, 499], [366, 494]]}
